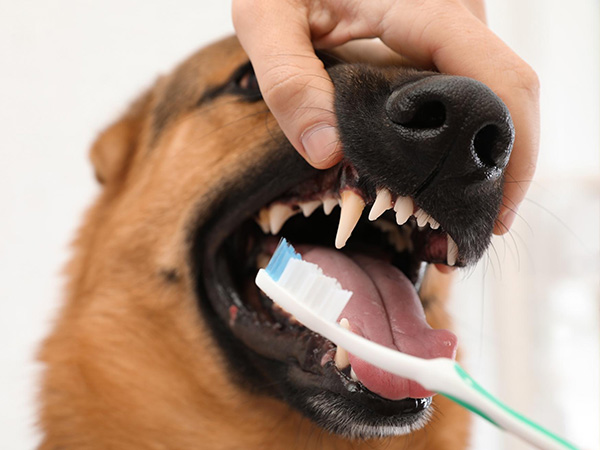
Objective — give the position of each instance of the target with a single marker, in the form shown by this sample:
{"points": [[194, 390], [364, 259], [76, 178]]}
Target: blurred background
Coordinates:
{"points": [[527, 317]]}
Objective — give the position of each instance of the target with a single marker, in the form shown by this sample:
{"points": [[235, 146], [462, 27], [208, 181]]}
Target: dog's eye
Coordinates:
{"points": [[246, 83]]}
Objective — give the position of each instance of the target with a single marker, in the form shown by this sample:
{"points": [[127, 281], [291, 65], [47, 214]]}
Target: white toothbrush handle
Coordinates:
{"points": [[441, 375]]}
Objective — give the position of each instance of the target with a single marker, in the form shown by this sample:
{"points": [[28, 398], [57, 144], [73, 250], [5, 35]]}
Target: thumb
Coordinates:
{"points": [[293, 81]]}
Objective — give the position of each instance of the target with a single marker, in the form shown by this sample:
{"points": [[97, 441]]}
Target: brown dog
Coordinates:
{"points": [[165, 342]]}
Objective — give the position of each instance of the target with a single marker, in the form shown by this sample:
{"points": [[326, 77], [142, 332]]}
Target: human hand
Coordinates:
{"points": [[280, 36]]}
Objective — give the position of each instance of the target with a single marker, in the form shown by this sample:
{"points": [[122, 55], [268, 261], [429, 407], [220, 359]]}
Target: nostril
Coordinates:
{"points": [[490, 147], [431, 114]]}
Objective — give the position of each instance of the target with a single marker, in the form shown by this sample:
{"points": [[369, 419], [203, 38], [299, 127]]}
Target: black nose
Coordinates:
{"points": [[452, 117]]}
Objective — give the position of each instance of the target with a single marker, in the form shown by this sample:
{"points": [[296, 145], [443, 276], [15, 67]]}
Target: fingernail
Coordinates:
{"points": [[320, 142], [505, 221]]}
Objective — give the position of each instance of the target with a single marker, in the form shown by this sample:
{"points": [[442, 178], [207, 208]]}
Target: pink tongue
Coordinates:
{"points": [[385, 309]]}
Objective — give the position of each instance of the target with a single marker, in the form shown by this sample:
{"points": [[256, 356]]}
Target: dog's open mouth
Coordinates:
{"points": [[380, 265], [385, 240]]}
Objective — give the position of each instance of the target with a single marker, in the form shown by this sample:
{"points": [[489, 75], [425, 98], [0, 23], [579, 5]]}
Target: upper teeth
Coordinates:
{"points": [[383, 202], [352, 208], [309, 207], [272, 218], [422, 218], [404, 207], [279, 214], [329, 203]]}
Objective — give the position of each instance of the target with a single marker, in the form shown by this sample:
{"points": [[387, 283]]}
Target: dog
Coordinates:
{"points": [[164, 341]]}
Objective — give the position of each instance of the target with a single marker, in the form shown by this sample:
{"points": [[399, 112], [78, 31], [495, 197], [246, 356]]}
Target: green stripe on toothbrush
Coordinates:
{"points": [[471, 382]]}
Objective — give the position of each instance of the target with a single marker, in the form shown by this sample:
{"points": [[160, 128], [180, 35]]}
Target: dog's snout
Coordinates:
{"points": [[430, 113]]}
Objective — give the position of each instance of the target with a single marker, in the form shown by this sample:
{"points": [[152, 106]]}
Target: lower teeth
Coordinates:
{"points": [[341, 355]]}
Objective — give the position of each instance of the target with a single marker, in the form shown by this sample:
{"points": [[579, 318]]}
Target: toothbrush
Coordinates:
{"points": [[317, 300]]}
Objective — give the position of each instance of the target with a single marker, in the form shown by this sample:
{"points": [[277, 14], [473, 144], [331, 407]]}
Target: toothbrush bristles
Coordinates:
{"points": [[310, 286], [283, 253]]}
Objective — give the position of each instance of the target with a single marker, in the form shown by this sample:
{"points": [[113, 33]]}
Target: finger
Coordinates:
{"points": [[293, 81]]}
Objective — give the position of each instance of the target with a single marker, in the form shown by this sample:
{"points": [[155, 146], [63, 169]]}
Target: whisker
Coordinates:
{"points": [[517, 214], [492, 247], [515, 181], [520, 238]]}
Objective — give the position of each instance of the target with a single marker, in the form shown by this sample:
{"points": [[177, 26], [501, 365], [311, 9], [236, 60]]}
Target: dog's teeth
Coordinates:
{"points": [[345, 324], [434, 224], [309, 207], [341, 355], [404, 207], [279, 214], [422, 218], [383, 202], [352, 208], [328, 204], [341, 358], [263, 220], [452, 252], [353, 375]]}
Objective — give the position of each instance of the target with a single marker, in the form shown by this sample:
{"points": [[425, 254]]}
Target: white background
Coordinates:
{"points": [[527, 317]]}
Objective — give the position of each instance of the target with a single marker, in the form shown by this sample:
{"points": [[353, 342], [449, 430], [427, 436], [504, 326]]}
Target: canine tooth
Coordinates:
{"points": [[263, 220], [352, 208], [328, 204], [452, 252], [341, 355], [309, 207], [280, 213], [404, 207], [353, 375], [422, 218], [382, 203]]}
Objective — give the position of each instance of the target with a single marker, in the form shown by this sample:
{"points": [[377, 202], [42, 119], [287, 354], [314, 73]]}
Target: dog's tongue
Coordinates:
{"points": [[385, 309]]}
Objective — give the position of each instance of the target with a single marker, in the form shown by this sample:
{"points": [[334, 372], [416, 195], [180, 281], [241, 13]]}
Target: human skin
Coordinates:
{"points": [[280, 37]]}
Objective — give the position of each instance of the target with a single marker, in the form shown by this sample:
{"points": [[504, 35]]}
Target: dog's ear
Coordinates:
{"points": [[114, 148]]}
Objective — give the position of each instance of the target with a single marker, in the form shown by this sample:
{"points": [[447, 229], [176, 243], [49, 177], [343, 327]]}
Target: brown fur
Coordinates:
{"points": [[130, 363]]}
